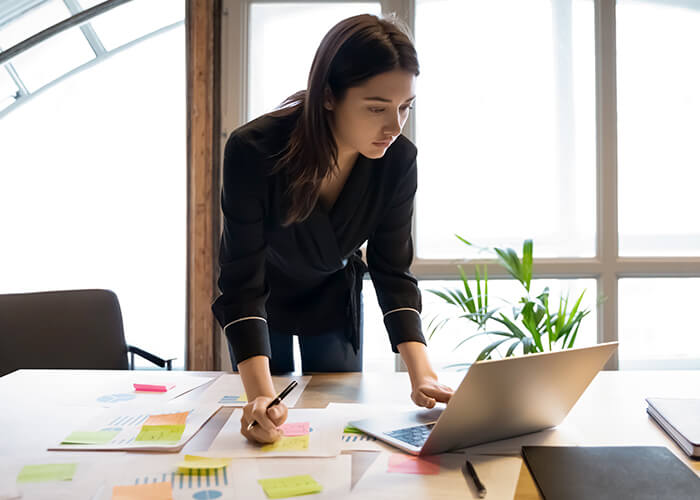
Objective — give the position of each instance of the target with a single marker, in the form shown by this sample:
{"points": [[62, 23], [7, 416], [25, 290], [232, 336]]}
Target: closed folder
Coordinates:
{"points": [[610, 473], [680, 418]]}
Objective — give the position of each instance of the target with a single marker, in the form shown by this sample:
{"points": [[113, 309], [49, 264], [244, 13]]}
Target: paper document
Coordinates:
{"points": [[128, 429], [228, 390], [323, 439], [303, 478], [440, 477]]}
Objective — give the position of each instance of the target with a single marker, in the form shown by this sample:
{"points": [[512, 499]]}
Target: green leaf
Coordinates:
{"points": [[478, 288], [505, 259], [489, 349], [463, 240], [511, 348], [502, 334], [456, 365], [510, 325], [527, 263], [443, 296], [467, 290]]}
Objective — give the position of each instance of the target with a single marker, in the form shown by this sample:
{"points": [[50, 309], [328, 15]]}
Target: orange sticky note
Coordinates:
{"points": [[167, 419], [152, 491], [153, 387], [295, 428], [408, 464]]}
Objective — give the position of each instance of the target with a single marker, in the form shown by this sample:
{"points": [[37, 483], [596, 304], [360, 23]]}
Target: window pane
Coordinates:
{"points": [[35, 20], [441, 348], [658, 82], [280, 53], [52, 58], [8, 89], [654, 330], [93, 189], [505, 126], [135, 19]]}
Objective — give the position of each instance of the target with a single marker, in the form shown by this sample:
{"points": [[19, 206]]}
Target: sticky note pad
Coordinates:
{"points": [[46, 472], [153, 387], [292, 443], [161, 433], [167, 419], [152, 491], [192, 462], [408, 464], [292, 486], [295, 428], [90, 437], [349, 429]]}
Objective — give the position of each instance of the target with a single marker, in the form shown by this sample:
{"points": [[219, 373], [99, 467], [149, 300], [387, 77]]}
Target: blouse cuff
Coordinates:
{"points": [[403, 325], [248, 337]]}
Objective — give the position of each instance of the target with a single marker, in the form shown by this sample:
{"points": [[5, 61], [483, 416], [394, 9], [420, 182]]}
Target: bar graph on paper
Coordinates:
{"points": [[356, 438], [200, 484]]}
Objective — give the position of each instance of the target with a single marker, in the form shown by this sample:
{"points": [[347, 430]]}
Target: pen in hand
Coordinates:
{"points": [[480, 488], [276, 401]]}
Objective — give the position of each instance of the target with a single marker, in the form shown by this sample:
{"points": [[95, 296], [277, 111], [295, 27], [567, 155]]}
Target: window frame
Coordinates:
{"points": [[607, 267]]}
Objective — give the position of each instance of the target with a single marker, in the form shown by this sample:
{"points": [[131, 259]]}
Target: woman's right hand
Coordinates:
{"points": [[267, 429]]}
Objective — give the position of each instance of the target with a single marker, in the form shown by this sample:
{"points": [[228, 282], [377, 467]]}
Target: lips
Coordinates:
{"points": [[383, 143]]}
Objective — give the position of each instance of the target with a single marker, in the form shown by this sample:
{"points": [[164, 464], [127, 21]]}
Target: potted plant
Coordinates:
{"points": [[536, 323]]}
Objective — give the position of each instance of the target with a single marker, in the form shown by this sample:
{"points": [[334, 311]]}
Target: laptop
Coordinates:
{"points": [[497, 399]]}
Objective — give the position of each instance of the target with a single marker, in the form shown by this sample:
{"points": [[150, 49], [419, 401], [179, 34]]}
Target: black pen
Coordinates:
{"points": [[276, 401], [480, 488]]}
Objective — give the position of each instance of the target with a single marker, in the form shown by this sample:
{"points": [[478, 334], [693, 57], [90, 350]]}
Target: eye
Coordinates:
{"points": [[376, 110]]}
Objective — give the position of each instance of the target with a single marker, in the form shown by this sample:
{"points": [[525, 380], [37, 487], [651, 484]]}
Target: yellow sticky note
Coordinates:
{"points": [[152, 491], [46, 472], [288, 443], [161, 433], [167, 419], [192, 462], [292, 486]]}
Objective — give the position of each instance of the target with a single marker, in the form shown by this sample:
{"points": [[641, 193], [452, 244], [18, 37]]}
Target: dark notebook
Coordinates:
{"points": [[610, 473]]}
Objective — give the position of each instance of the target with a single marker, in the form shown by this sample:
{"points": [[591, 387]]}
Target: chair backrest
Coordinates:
{"points": [[76, 329]]}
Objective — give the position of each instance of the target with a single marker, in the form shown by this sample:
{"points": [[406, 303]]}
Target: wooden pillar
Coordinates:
{"points": [[203, 21]]}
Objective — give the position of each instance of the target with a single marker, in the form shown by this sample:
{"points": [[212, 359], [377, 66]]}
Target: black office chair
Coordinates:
{"points": [[74, 329]]}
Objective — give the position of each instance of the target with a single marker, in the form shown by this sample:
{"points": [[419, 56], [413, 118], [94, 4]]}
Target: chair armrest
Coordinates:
{"points": [[163, 363]]}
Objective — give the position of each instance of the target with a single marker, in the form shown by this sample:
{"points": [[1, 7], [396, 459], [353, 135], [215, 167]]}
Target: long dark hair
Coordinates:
{"points": [[354, 50]]}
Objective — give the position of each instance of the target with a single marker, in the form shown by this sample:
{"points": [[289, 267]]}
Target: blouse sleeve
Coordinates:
{"points": [[389, 257], [240, 309]]}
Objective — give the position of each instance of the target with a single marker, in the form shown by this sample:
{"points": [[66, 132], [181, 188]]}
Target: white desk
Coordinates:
{"points": [[611, 411]]}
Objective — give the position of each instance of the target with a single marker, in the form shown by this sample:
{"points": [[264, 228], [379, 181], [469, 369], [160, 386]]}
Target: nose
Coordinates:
{"points": [[393, 127]]}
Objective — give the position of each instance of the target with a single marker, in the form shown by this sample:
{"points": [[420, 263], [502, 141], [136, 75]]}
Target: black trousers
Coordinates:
{"points": [[329, 352]]}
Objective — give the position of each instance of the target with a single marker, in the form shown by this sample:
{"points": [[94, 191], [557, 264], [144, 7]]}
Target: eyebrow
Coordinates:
{"points": [[382, 99]]}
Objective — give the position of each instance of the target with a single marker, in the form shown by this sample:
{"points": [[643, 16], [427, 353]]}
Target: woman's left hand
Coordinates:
{"points": [[427, 391]]}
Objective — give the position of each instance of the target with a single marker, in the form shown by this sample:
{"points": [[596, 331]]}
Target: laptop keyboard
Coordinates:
{"points": [[415, 436]]}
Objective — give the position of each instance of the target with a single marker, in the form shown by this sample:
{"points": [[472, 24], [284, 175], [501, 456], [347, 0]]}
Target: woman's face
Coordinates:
{"points": [[371, 116]]}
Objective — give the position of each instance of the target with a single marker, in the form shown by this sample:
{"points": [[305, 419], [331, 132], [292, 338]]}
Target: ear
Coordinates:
{"points": [[328, 101]]}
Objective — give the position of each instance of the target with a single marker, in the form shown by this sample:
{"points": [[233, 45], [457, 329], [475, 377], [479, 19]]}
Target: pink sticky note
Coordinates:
{"points": [[295, 428], [408, 464], [153, 388]]}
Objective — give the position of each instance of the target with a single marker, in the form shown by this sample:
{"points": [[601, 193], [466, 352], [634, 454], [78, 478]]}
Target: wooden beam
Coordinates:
{"points": [[203, 20]]}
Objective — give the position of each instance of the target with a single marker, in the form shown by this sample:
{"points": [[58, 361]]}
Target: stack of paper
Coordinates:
{"points": [[138, 429], [228, 390]]}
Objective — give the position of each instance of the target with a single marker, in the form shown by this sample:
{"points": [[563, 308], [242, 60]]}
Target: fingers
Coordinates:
{"points": [[421, 399], [277, 414], [439, 392], [266, 430]]}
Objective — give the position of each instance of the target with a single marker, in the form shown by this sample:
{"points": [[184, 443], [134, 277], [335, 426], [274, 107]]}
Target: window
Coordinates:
{"points": [[556, 120], [93, 177]]}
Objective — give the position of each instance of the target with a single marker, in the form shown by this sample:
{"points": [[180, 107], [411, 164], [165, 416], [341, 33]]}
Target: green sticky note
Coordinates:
{"points": [[161, 433], [292, 486], [349, 429], [90, 437], [46, 472]]}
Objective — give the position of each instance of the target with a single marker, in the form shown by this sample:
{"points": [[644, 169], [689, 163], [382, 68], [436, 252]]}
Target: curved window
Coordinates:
{"points": [[93, 172]]}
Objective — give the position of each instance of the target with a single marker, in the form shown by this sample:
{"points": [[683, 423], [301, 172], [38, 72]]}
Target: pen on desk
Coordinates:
{"points": [[480, 488], [276, 401]]}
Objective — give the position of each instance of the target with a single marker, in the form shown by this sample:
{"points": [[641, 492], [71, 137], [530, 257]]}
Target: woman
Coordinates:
{"points": [[304, 187]]}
